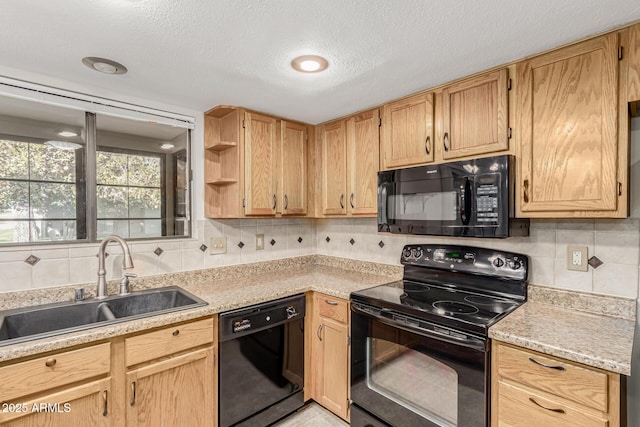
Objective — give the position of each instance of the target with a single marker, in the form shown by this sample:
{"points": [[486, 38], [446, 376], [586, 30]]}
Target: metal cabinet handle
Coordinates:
{"points": [[445, 138], [319, 331], [525, 191], [559, 411], [50, 363], [331, 302], [105, 400], [286, 202], [353, 206], [176, 332], [426, 145], [274, 201], [133, 393], [342, 201], [544, 365]]}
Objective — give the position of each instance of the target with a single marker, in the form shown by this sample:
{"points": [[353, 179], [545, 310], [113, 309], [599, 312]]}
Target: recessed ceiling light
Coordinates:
{"points": [[63, 145], [167, 146], [309, 64], [104, 65], [67, 134]]}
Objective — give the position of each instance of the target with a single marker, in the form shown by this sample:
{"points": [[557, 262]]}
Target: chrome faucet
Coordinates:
{"points": [[127, 262]]}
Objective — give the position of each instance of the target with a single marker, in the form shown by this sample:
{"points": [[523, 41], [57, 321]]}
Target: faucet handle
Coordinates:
{"points": [[124, 284]]}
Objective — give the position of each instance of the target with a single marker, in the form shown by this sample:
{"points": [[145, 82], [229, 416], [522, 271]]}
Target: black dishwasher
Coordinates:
{"points": [[261, 369]]}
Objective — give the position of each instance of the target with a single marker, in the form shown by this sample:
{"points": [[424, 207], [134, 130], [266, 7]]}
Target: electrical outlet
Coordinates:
{"points": [[577, 257], [259, 242], [218, 245]]}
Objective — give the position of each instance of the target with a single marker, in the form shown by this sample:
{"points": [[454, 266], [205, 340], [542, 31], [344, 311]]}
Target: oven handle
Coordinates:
{"points": [[469, 342]]}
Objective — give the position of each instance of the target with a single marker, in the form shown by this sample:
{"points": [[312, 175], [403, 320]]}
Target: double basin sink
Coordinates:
{"points": [[31, 323]]}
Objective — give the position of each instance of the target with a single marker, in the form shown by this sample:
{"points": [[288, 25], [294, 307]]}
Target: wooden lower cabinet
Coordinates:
{"points": [[328, 341], [68, 388], [534, 389], [77, 406], [164, 377], [173, 392]]}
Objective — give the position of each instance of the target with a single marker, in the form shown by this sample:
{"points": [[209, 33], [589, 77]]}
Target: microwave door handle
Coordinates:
{"points": [[382, 206], [465, 202]]}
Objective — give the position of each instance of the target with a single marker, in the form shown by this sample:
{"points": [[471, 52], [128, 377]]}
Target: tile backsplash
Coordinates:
{"points": [[78, 263], [615, 242]]}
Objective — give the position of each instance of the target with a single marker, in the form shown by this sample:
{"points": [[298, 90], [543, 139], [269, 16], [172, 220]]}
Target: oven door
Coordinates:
{"points": [[406, 376]]}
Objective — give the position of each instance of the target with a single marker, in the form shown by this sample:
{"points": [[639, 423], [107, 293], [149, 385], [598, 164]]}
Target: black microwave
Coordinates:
{"points": [[470, 198]]}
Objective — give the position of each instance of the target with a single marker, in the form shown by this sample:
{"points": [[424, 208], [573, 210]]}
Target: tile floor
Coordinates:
{"points": [[312, 415]]}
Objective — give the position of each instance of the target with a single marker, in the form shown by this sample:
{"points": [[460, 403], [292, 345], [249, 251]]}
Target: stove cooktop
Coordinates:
{"points": [[461, 287], [460, 309]]}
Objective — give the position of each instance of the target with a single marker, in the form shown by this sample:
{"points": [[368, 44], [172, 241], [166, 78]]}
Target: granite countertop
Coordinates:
{"points": [[550, 323], [251, 284], [591, 329]]}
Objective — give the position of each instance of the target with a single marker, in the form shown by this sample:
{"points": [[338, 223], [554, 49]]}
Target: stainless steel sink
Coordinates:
{"points": [[31, 323]]}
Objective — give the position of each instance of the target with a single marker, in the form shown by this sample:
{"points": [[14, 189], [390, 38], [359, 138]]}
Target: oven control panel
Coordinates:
{"points": [[467, 259]]}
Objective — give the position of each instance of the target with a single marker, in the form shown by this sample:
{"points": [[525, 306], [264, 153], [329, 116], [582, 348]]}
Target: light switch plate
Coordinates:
{"points": [[577, 257], [259, 242], [218, 245]]}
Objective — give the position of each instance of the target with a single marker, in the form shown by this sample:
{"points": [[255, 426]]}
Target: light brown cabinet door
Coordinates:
{"points": [[363, 144], [260, 170], [334, 163], [79, 406], [407, 131], [567, 109], [174, 392], [293, 152], [332, 385], [475, 115]]}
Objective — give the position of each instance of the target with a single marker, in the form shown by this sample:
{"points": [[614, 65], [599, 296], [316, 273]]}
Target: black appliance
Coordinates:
{"points": [[261, 369], [470, 198], [419, 346]]}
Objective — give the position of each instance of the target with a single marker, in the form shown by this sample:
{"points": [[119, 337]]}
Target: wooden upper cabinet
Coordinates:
{"points": [[475, 115], [293, 167], [260, 171], [223, 162], [363, 145], [567, 113], [334, 164], [634, 70], [407, 132]]}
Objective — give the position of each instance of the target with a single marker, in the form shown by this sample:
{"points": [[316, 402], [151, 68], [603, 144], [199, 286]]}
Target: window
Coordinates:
{"points": [[130, 193], [50, 191]]}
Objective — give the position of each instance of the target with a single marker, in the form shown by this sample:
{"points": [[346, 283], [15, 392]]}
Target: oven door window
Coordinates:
{"points": [[410, 379], [402, 374]]}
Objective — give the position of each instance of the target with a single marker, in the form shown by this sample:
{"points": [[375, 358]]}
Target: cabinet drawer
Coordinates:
{"points": [[164, 342], [55, 370], [524, 407], [562, 378], [333, 308]]}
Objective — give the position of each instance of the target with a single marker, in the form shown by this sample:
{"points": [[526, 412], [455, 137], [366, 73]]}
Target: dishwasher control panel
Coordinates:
{"points": [[236, 323]]}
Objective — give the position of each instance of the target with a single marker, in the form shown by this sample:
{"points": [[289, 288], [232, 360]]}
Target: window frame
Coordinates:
{"points": [[163, 187], [80, 202], [88, 180]]}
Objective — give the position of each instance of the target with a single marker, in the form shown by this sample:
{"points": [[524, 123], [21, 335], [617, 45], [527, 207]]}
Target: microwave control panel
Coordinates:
{"points": [[487, 203]]}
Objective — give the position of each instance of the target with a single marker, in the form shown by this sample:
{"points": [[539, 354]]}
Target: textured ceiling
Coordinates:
{"points": [[200, 53]]}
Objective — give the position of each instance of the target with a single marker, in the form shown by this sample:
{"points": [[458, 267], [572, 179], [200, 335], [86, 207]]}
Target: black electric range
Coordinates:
{"points": [[420, 345]]}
